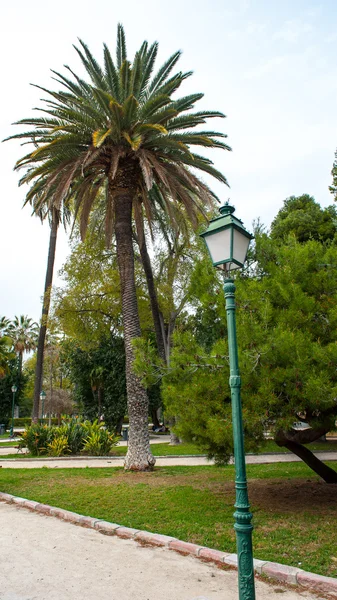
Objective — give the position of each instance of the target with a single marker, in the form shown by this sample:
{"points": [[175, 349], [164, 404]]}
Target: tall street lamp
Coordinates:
{"points": [[227, 241], [14, 390], [42, 398]]}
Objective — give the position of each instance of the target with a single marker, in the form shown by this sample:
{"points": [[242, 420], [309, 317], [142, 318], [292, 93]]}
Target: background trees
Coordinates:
{"points": [[98, 377], [287, 313], [16, 337], [333, 187], [303, 217]]}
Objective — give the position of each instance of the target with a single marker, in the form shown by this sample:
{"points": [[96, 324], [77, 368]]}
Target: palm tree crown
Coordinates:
{"points": [[23, 331], [121, 133], [124, 117]]}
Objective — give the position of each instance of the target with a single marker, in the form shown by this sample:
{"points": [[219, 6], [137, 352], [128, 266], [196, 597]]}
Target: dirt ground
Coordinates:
{"points": [[295, 495], [44, 558]]}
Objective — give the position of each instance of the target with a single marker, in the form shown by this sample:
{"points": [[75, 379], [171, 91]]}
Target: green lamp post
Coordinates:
{"points": [[42, 398], [227, 241], [14, 390]]}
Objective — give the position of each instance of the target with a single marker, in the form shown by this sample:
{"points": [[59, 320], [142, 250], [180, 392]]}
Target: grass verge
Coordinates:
{"points": [[294, 512]]}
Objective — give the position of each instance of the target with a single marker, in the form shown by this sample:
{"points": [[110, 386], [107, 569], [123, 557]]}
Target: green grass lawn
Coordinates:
{"points": [[294, 512], [8, 444]]}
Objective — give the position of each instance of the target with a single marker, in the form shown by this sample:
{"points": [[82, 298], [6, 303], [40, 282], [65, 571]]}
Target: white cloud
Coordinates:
{"points": [[265, 68], [292, 31]]}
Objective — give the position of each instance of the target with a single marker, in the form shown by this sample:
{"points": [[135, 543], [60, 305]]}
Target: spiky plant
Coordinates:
{"points": [[121, 130]]}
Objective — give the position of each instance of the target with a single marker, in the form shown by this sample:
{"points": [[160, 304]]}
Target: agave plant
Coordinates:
{"points": [[121, 131]]}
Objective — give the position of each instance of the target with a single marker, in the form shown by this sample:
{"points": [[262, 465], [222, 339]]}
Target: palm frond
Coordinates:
{"points": [[121, 46], [164, 71]]}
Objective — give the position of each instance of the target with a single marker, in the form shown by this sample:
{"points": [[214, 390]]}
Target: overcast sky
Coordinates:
{"points": [[271, 67]]}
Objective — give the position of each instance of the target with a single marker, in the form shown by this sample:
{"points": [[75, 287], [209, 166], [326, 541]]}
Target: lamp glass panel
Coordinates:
{"points": [[219, 245], [240, 246]]}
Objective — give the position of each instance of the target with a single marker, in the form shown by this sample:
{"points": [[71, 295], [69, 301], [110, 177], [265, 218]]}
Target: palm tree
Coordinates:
{"points": [[23, 332], [121, 131], [54, 215], [4, 324], [6, 355]]}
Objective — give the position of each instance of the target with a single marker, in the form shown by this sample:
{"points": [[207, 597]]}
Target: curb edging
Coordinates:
{"points": [[276, 571]]}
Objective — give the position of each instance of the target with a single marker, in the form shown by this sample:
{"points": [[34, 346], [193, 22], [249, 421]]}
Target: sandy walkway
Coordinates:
{"points": [[66, 463], [44, 558]]}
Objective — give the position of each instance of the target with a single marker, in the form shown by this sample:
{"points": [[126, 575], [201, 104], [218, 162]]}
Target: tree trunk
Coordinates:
{"points": [[155, 419], [139, 457], [20, 366], [174, 439], [99, 399], [119, 425], [156, 313], [51, 394], [163, 341], [328, 474], [45, 311]]}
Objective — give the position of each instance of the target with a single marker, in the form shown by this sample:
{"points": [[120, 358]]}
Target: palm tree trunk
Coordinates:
{"points": [[163, 341], [20, 366], [45, 312], [99, 402], [139, 457], [156, 313]]}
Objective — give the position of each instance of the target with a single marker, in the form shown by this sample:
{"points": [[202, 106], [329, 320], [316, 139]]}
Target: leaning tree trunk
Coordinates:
{"points": [[139, 457], [163, 344], [326, 473], [45, 312], [156, 313]]}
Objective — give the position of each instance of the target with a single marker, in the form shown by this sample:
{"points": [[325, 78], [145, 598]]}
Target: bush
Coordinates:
{"points": [[37, 438], [72, 437], [99, 441], [75, 432], [59, 446]]}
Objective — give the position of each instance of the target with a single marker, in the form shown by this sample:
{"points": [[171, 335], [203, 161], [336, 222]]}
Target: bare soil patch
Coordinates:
{"points": [[271, 495]]}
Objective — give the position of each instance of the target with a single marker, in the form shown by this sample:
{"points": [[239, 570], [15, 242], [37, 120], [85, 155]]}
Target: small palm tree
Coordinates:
{"points": [[23, 331], [6, 355], [4, 324], [122, 131]]}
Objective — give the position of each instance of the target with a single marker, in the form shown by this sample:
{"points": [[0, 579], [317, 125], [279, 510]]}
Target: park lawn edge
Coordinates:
{"points": [[271, 570], [189, 505]]}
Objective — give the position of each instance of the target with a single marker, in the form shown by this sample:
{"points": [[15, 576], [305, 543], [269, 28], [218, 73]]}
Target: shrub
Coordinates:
{"points": [[36, 438], [58, 446], [99, 442], [72, 437], [75, 431]]}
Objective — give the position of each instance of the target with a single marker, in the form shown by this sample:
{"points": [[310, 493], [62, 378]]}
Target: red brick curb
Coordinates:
{"points": [[283, 573]]}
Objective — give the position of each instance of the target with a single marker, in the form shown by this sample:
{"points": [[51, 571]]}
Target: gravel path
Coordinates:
{"points": [[49, 559], [251, 459]]}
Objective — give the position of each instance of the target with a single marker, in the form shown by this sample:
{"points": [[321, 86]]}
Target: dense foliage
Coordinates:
{"points": [[98, 378], [286, 323], [303, 217]]}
